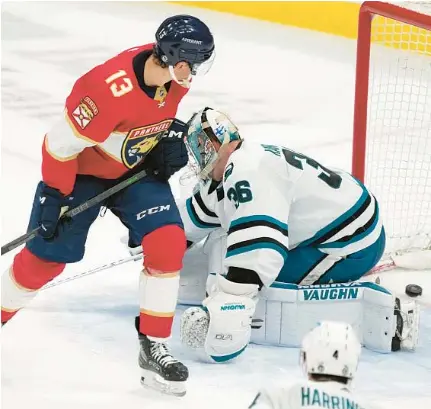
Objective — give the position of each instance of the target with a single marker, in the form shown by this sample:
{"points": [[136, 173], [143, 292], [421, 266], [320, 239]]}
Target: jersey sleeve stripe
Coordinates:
{"points": [[56, 156], [112, 156], [112, 145], [202, 205], [194, 217], [62, 143], [257, 244], [258, 220]]}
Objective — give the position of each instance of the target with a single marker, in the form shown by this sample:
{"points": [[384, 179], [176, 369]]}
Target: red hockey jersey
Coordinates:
{"points": [[109, 123]]}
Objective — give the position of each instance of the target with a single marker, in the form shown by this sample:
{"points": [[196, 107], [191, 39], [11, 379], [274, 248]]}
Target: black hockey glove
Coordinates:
{"points": [[169, 155], [51, 203]]}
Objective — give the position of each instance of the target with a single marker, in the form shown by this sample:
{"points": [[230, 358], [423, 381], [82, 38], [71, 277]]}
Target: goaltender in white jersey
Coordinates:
{"points": [[277, 205], [287, 232], [329, 358]]}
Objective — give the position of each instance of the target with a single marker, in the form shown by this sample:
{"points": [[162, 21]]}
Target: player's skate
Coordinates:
{"points": [[160, 370], [407, 330]]}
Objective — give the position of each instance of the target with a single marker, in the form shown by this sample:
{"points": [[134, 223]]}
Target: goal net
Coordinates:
{"points": [[392, 125]]}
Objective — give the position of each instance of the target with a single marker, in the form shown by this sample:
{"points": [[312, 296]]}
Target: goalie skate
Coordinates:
{"points": [[407, 331], [159, 369]]}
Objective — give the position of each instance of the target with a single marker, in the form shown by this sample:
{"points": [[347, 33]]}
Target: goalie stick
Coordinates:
{"points": [[94, 270], [380, 268], [386, 266], [133, 257], [414, 260]]}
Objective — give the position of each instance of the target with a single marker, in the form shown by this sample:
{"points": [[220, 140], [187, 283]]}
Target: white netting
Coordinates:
{"points": [[398, 156]]}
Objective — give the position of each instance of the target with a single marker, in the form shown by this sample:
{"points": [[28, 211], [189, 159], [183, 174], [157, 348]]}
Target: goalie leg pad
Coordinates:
{"points": [[286, 312]]}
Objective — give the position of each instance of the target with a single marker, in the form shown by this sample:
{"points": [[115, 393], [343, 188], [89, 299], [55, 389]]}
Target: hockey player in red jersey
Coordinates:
{"points": [[108, 131]]}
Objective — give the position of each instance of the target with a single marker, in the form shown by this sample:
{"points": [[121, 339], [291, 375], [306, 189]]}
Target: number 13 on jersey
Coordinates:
{"points": [[120, 84]]}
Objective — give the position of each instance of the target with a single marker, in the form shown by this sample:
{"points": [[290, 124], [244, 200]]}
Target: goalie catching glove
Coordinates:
{"points": [[221, 328]]}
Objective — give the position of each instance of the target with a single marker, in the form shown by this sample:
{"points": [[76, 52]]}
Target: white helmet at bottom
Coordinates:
{"points": [[331, 348]]}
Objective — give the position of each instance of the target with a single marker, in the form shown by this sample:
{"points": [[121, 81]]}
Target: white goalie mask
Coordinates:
{"points": [[208, 131], [331, 348]]}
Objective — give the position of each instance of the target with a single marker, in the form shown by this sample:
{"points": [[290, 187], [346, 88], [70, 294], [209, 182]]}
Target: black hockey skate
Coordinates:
{"points": [[160, 370]]}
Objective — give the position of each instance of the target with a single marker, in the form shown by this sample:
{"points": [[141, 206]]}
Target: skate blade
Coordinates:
{"points": [[154, 381]]}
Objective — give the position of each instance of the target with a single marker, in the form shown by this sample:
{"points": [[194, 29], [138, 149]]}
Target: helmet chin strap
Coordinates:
{"points": [[184, 83]]}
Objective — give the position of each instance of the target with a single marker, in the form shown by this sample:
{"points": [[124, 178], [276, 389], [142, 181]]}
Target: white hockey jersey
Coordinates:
{"points": [[307, 394], [272, 200]]}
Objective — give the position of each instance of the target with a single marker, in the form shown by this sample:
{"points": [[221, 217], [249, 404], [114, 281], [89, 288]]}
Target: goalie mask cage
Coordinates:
{"points": [[392, 120]]}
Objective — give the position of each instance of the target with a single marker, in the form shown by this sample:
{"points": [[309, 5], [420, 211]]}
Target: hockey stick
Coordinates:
{"points": [[94, 200], [133, 257], [94, 270], [413, 260], [380, 268]]}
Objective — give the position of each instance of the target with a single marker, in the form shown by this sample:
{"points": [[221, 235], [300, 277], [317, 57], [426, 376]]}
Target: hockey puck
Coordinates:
{"points": [[413, 290]]}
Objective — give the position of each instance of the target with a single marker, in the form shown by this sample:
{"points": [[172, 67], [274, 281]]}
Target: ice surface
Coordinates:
{"points": [[75, 346]]}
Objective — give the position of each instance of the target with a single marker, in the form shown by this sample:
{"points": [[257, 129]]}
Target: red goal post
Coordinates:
{"points": [[392, 122]]}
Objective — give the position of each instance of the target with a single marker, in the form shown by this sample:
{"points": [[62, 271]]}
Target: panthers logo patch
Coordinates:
{"points": [[141, 140]]}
